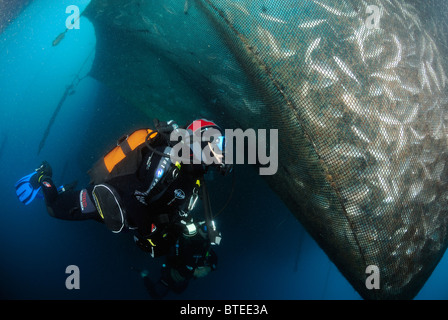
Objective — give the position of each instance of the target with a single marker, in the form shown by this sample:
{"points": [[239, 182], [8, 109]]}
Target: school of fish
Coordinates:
{"points": [[373, 104]]}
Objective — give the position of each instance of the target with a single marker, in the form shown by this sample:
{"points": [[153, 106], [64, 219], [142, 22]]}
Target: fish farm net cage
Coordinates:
{"points": [[357, 91]]}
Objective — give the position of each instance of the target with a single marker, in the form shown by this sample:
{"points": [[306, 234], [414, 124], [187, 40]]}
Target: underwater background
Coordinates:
{"points": [[265, 252]]}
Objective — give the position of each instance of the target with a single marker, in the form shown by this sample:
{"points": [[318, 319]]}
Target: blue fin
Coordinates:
{"points": [[25, 191]]}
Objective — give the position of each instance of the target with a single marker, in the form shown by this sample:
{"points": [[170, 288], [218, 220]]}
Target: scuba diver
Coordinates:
{"points": [[143, 186]]}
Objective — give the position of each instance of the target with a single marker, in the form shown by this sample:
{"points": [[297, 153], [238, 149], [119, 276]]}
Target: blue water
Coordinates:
{"points": [[265, 252]]}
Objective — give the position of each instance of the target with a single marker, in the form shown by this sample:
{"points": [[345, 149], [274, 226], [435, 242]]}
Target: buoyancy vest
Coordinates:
{"points": [[129, 148], [126, 159]]}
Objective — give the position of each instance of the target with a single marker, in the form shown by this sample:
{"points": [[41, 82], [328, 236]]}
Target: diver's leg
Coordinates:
{"points": [[69, 204]]}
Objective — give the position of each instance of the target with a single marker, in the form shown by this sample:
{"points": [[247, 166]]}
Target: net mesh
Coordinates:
{"points": [[357, 90]]}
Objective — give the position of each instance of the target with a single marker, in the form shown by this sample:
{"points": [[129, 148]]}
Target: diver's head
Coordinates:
{"points": [[208, 144]]}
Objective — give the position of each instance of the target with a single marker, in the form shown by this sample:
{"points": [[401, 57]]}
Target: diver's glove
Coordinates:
{"points": [[43, 171], [165, 127]]}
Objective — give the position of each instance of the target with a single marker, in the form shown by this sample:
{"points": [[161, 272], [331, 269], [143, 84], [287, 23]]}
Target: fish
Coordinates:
{"points": [[411, 116], [360, 36], [433, 74], [59, 38], [437, 131], [401, 140], [411, 89], [353, 104], [311, 24], [375, 52], [311, 48], [388, 76], [270, 40], [345, 68], [424, 77], [403, 167], [438, 170], [271, 18], [426, 172], [169, 9], [240, 8], [388, 119], [186, 7], [384, 184], [356, 194], [336, 11], [375, 90], [385, 133], [391, 93], [379, 155], [325, 70], [353, 210], [442, 73], [397, 59], [360, 134], [349, 151], [416, 134]]}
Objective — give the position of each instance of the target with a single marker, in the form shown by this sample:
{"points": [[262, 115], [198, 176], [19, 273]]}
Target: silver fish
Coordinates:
{"points": [[271, 18], [379, 155], [353, 104], [397, 59], [311, 48], [360, 134], [375, 90], [433, 75], [388, 119], [388, 76], [311, 24], [425, 170], [424, 77], [353, 210], [411, 89], [375, 52], [358, 38], [356, 194], [443, 77], [345, 68], [416, 134], [384, 184], [239, 7], [325, 70], [413, 114], [336, 11], [401, 140], [349, 151], [415, 188], [402, 167], [385, 133], [270, 40], [391, 93], [186, 7], [438, 170]]}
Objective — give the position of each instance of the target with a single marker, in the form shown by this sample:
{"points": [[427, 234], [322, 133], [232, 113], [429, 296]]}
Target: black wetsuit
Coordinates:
{"points": [[157, 219]]}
